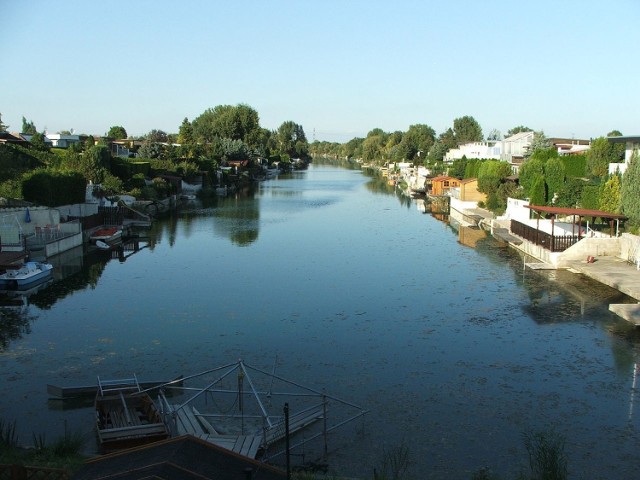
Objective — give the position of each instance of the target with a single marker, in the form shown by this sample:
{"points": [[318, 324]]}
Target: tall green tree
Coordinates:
{"points": [[599, 156], [554, 176], [529, 173], [458, 167], [467, 129], [353, 148], [611, 195], [185, 133], [491, 174], [292, 140], [240, 122], [28, 127], [537, 194], [3, 127], [95, 163], [37, 141], [157, 136], [631, 190], [117, 132], [618, 148], [416, 143]]}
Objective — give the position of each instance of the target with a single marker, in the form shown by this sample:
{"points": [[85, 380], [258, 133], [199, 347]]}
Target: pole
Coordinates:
{"points": [[286, 436], [324, 417]]}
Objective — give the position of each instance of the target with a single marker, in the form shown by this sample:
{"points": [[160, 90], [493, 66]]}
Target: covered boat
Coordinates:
{"points": [[107, 235], [126, 416], [26, 276]]}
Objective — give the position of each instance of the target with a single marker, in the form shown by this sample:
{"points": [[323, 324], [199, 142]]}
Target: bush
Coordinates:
{"points": [[590, 197], [52, 189], [575, 165]]}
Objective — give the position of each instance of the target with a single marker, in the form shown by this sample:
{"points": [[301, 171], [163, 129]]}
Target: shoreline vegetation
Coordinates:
{"points": [[60, 459]]}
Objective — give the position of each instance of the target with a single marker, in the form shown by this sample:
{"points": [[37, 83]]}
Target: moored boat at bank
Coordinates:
{"points": [[107, 235], [25, 276]]}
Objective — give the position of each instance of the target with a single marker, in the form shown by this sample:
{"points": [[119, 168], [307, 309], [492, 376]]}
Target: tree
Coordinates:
{"points": [[491, 174], [416, 142], [157, 136], [599, 156], [611, 196], [494, 135], [618, 148], [631, 190], [539, 142], [372, 147], [571, 193], [240, 122], [291, 140], [458, 167], [28, 127], [95, 162], [448, 138], [234, 150], [150, 150], [529, 173], [537, 194], [185, 133], [554, 176], [117, 132], [37, 141], [353, 148], [3, 127], [518, 129], [466, 130], [437, 152]]}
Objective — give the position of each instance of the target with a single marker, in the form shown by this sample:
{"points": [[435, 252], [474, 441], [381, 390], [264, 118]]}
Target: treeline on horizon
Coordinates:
{"points": [[226, 133], [545, 177], [220, 135]]}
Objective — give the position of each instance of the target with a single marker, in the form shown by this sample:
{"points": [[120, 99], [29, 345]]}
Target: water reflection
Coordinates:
{"points": [[454, 350]]}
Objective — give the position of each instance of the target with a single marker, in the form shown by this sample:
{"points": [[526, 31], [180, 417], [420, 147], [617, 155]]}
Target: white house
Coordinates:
{"points": [[514, 148], [632, 144], [477, 150], [62, 141]]}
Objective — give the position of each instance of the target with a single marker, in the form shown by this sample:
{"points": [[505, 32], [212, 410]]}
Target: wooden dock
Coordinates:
{"points": [[91, 390], [190, 421]]}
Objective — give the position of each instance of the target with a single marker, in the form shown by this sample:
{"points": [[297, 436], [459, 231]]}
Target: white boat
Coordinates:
{"points": [[106, 234], [103, 245], [27, 275]]}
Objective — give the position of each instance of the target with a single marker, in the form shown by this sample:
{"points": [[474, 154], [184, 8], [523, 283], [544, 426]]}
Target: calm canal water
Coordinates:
{"points": [[455, 351]]}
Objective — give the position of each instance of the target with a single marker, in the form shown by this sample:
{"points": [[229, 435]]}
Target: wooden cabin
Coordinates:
{"points": [[442, 184]]}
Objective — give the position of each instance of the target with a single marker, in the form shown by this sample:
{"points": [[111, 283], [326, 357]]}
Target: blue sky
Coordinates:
{"points": [[338, 68]]}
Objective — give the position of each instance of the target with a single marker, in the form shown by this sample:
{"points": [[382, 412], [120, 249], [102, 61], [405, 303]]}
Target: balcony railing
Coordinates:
{"points": [[554, 243]]}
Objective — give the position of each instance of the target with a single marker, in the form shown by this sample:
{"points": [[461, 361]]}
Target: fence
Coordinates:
{"points": [[20, 472], [553, 243]]}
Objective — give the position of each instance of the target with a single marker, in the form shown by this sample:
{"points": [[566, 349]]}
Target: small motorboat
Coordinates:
{"points": [[107, 235], [103, 245], [26, 276]]}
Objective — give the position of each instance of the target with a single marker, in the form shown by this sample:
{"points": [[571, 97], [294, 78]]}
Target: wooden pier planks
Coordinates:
{"points": [[189, 422], [296, 422]]}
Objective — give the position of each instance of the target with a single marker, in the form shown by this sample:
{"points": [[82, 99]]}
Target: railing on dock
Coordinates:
{"points": [[553, 243]]}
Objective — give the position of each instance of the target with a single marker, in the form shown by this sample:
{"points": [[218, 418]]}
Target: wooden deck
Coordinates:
{"points": [[189, 421]]}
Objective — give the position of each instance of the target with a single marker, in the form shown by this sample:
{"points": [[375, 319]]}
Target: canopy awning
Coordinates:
{"points": [[581, 212]]}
